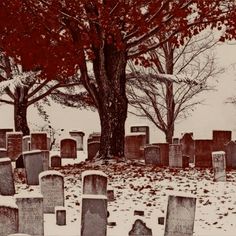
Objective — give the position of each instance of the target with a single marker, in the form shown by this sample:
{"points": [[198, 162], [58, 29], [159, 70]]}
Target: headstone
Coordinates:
{"points": [[220, 139], [175, 141], [48, 143], [78, 136], [134, 146], [140, 229], [231, 155], [8, 216], [68, 148], [25, 143], [219, 166], [20, 162], [39, 141], [141, 129], [95, 136], [52, 189], [203, 149], [55, 161], [94, 182], [31, 219], [152, 155], [187, 143], [45, 159], [180, 216], [7, 186], [60, 215], [175, 156], [33, 161], [94, 215], [138, 213], [3, 152], [14, 145], [92, 149], [164, 152], [3, 143], [110, 195]]}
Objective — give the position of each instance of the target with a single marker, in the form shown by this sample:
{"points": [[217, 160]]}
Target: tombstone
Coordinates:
{"points": [[141, 129], [55, 161], [60, 215], [20, 162], [175, 141], [39, 141], [31, 219], [187, 143], [164, 153], [94, 215], [180, 216], [7, 186], [78, 136], [139, 228], [92, 149], [220, 139], [3, 152], [25, 143], [94, 182], [219, 166], [45, 159], [152, 155], [68, 148], [110, 195], [52, 188], [175, 156], [3, 132], [48, 143], [134, 146], [14, 145], [33, 161], [8, 216], [231, 155], [203, 150], [95, 136]]}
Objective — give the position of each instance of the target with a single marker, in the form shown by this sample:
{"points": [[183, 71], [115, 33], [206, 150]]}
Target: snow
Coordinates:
{"points": [[32, 152], [5, 159], [218, 153], [8, 201], [67, 137], [60, 208], [136, 134], [94, 196], [13, 132], [3, 149], [29, 194], [50, 172]]}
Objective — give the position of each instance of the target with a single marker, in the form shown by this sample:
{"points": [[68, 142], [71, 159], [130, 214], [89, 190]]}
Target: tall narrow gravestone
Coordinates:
{"points": [[14, 145], [220, 139], [45, 159], [180, 216], [187, 143], [152, 155], [7, 186], [39, 141], [164, 152], [8, 216], [78, 136], [140, 229], [219, 166], [30, 214], [93, 148], [68, 148], [52, 189], [231, 155], [203, 149], [175, 156], [3, 132]]}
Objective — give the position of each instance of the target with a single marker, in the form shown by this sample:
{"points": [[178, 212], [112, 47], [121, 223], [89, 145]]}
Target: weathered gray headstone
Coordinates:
{"points": [[68, 148], [175, 156], [92, 148], [45, 158], [60, 215], [3, 152], [14, 145], [231, 155], [219, 166], [203, 150], [140, 229], [25, 143], [39, 141], [8, 216], [7, 186], [31, 219], [141, 129], [48, 143], [152, 155], [180, 216], [220, 139], [78, 136], [187, 143], [33, 161], [55, 161], [52, 189], [94, 182], [3, 143]]}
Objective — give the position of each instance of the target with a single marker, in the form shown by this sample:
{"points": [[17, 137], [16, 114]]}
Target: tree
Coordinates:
{"points": [[60, 36]]}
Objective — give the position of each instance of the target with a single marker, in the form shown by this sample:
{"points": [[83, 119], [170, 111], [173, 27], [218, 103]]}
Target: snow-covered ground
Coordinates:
{"points": [[140, 187]]}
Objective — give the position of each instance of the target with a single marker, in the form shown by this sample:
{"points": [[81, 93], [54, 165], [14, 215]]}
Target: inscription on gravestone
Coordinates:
{"points": [[152, 155], [175, 156]]}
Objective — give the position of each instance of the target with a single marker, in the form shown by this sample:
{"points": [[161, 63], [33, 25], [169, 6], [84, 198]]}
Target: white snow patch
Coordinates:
{"points": [[93, 196], [8, 201], [50, 172], [32, 152], [5, 159]]}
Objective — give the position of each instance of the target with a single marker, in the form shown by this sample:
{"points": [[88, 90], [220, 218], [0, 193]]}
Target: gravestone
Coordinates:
{"points": [[60, 215], [78, 136], [33, 161], [3, 132], [8, 216], [3, 152], [31, 219], [164, 153], [92, 149], [45, 159], [55, 161], [175, 156], [48, 143], [68, 148], [14, 145], [220, 139], [39, 141], [94, 215], [94, 182], [95, 136], [175, 141], [139, 228], [25, 143], [141, 129], [203, 150], [52, 188], [110, 195], [187, 143], [134, 146], [180, 216], [152, 155], [7, 186], [231, 155], [219, 166]]}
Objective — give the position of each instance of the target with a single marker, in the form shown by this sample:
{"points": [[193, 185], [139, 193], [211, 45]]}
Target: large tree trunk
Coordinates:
{"points": [[20, 111]]}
